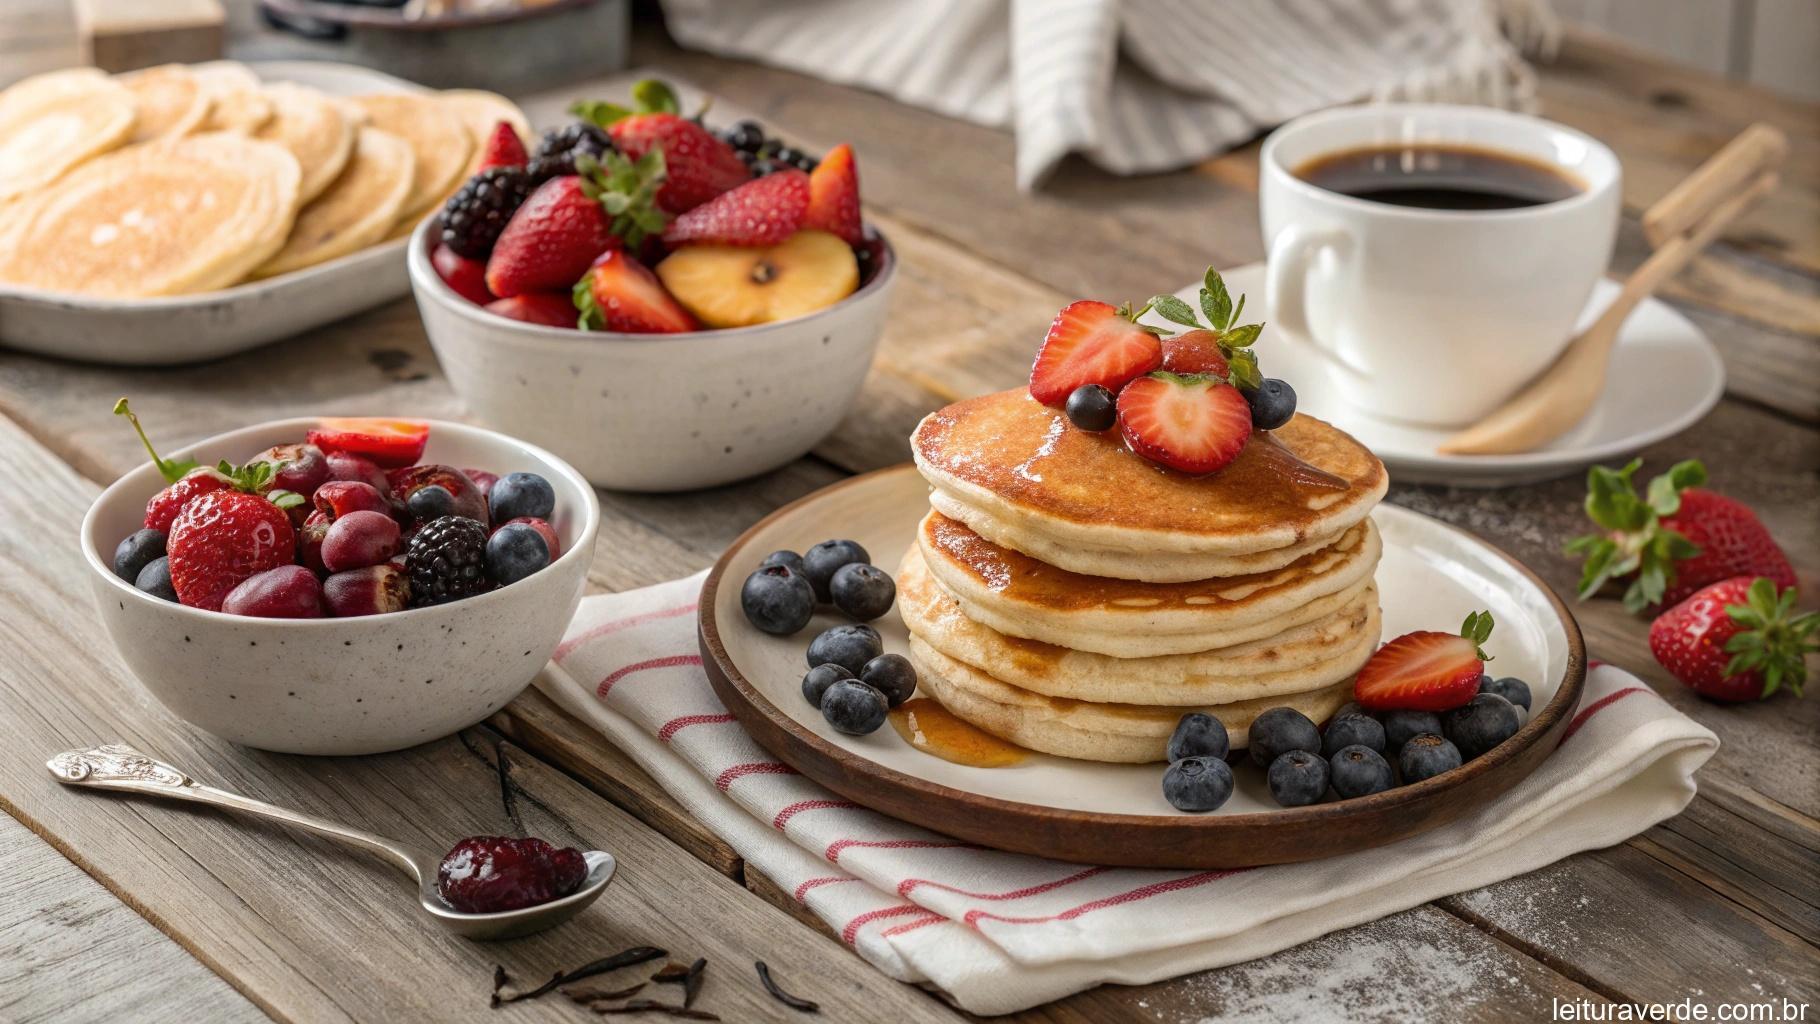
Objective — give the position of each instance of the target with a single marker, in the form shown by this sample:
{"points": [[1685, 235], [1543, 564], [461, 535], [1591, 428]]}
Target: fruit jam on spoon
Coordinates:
{"points": [[488, 874]]}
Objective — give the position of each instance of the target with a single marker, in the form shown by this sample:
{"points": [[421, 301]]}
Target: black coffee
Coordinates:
{"points": [[1440, 177]]}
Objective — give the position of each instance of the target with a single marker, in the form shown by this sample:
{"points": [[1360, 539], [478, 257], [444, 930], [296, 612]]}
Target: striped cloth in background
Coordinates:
{"points": [[1136, 85]]}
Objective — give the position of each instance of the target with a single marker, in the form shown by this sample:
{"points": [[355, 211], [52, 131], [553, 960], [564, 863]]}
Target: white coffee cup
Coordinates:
{"points": [[1433, 316]]}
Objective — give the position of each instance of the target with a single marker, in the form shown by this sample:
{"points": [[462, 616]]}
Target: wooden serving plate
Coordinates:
{"points": [[1431, 576]]}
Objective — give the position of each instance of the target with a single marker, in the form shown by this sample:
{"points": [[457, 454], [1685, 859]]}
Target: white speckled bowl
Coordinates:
{"points": [[644, 412], [344, 686]]}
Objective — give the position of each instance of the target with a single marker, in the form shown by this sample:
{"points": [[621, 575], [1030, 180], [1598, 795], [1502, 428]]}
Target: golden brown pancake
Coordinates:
{"points": [[170, 99], [49, 123], [437, 137], [357, 209], [314, 128]]}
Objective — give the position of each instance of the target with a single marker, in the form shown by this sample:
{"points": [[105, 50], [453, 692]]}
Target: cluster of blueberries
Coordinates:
{"points": [[851, 678], [1352, 757]]}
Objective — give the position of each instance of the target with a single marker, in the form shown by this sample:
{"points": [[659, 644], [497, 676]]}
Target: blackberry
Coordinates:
{"points": [[556, 152], [447, 561], [475, 215]]}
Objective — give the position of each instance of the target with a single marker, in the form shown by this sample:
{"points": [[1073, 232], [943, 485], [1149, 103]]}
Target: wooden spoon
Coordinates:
{"points": [[1679, 225]]}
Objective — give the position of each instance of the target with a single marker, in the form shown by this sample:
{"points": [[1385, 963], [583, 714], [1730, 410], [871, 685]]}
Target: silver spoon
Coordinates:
{"points": [[119, 767]]}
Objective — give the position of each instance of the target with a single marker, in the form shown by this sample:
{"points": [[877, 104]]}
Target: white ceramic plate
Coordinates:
{"points": [[1665, 375], [1431, 576], [189, 328]]}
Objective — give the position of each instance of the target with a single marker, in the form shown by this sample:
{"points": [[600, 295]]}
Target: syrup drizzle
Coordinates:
{"points": [[938, 732]]}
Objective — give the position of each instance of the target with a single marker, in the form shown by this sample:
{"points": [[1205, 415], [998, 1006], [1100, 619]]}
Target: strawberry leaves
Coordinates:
{"points": [[1477, 628], [1634, 539], [649, 96], [173, 470], [627, 191], [1222, 317], [253, 478], [1771, 639]]}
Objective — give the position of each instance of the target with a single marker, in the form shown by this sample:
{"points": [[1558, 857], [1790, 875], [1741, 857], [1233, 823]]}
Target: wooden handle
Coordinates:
{"points": [[1757, 149]]}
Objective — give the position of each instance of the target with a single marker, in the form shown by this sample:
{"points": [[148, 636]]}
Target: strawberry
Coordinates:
{"points": [[1675, 540], [551, 309], [504, 148], [763, 212], [1737, 639], [1196, 351], [571, 219], [621, 294], [834, 196], [1092, 343], [1426, 670], [162, 510], [388, 443], [222, 538], [465, 277], [188, 480], [700, 165], [1192, 424]]}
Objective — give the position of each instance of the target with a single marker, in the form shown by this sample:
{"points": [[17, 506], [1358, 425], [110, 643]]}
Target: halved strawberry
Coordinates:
{"points": [[834, 196], [551, 309], [1189, 423], [1426, 670], [504, 148], [1091, 343], [762, 212], [1196, 351], [621, 294], [388, 443]]}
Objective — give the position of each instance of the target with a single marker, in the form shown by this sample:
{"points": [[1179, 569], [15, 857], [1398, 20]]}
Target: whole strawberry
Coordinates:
{"points": [[222, 538], [1675, 540], [762, 212], [188, 481], [699, 166], [1738, 639], [553, 238]]}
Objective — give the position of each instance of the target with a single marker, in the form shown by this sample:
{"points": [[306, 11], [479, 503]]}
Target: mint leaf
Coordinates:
{"points": [[1216, 302], [655, 97], [600, 112], [1175, 310]]}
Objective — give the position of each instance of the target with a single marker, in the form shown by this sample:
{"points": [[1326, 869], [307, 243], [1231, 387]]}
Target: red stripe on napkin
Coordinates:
{"points": [[784, 816], [834, 849], [910, 926], [676, 725], [567, 647], [1142, 892], [740, 771], [639, 666], [802, 891], [905, 887], [850, 932], [1597, 706]]}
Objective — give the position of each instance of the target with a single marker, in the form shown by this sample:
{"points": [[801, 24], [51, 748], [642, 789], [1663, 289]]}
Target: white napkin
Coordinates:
{"points": [[1000, 932], [1135, 85]]}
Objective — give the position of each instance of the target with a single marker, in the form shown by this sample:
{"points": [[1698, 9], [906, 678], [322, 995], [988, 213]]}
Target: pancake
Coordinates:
{"points": [[237, 97], [159, 218], [438, 140], [1299, 659], [357, 210], [1120, 733], [1018, 595], [481, 111], [314, 129], [169, 99], [1021, 462], [49, 123]]}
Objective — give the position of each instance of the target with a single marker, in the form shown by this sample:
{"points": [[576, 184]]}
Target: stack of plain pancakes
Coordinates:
{"points": [[1075, 598], [187, 178]]}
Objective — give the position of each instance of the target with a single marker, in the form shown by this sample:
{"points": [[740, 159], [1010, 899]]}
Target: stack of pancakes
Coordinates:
{"points": [[188, 178], [1075, 598]]}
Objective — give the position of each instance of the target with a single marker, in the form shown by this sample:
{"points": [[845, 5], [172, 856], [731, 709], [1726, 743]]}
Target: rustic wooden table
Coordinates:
{"points": [[119, 909]]}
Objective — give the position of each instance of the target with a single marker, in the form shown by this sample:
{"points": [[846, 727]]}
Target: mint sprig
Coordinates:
{"points": [[1633, 540], [1772, 640], [1221, 316], [649, 96], [1477, 628]]}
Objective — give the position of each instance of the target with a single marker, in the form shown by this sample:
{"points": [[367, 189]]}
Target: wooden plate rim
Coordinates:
{"points": [[720, 664]]}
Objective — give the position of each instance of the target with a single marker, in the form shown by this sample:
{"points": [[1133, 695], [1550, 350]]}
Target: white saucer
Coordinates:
{"points": [[1664, 376]]}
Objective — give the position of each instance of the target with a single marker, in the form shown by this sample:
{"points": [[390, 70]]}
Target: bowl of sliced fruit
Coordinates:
{"points": [[664, 305], [340, 586]]}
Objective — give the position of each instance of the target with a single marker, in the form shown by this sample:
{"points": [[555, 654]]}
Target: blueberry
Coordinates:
{"points": [[1425, 757], [432, 501], [1092, 407], [790, 155], [136, 552], [1359, 771], [766, 165], [1400, 725], [817, 680], [862, 591], [1279, 730], [1298, 778], [1484, 722], [1351, 707], [892, 675], [1360, 730], [849, 646], [1199, 734], [155, 579], [777, 600], [1510, 688], [786, 558], [746, 136], [515, 551], [853, 707], [521, 494], [1272, 403], [820, 562], [1198, 784]]}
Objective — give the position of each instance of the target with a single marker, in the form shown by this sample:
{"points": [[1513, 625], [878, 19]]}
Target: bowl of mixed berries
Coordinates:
{"points": [[665, 304], [340, 586]]}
